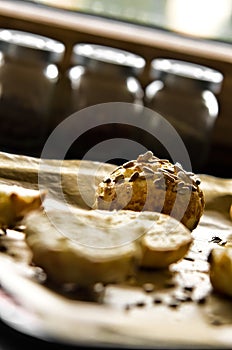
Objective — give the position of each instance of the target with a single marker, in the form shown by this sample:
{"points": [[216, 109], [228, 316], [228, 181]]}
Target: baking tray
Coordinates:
{"points": [[174, 308]]}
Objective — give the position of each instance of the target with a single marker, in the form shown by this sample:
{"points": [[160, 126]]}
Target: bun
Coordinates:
{"points": [[153, 184], [220, 272], [16, 202]]}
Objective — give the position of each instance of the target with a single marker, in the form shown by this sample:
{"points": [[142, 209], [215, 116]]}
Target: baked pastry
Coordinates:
{"points": [[16, 202], [81, 247], [165, 243], [90, 246], [220, 272], [153, 184]]}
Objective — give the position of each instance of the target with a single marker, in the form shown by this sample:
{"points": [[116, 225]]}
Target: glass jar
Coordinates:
{"points": [[101, 74], [28, 75], [104, 74], [184, 94]]}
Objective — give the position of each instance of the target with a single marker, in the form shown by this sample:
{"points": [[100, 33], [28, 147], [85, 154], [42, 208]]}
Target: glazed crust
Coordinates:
{"points": [[153, 184]]}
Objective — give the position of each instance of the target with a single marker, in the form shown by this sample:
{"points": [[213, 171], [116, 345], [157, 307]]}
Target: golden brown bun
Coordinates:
{"points": [[220, 261], [153, 184]]}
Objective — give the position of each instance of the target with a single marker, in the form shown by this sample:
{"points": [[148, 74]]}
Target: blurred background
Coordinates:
{"points": [[205, 19], [172, 56]]}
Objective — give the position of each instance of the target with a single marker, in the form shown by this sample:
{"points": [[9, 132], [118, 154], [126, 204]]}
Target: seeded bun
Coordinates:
{"points": [[153, 184]]}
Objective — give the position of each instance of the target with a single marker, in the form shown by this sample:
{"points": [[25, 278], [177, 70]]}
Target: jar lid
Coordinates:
{"points": [[85, 53], [18, 43], [197, 72]]}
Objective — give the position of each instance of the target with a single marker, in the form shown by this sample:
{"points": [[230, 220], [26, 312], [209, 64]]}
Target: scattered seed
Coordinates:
{"points": [[157, 300], [174, 304], [140, 304], [98, 287], [20, 228], [223, 243], [188, 288], [127, 307], [188, 258], [184, 298], [216, 322], [201, 301], [148, 287], [216, 239]]}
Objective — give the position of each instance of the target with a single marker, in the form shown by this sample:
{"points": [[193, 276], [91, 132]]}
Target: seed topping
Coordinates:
{"points": [[134, 176], [128, 164], [145, 157]]}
